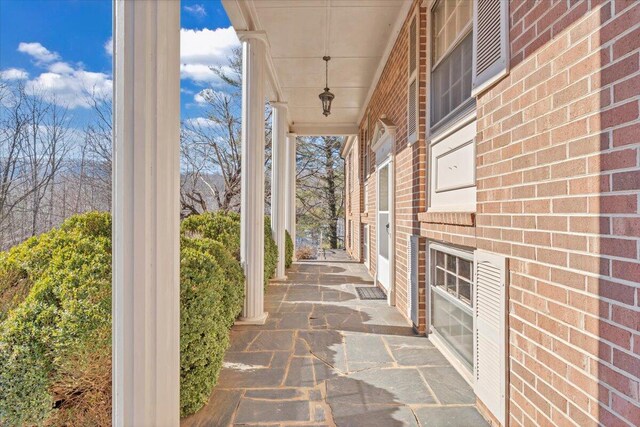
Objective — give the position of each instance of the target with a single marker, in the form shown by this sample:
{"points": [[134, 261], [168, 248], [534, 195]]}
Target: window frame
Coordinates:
{"points": [[413, 76], [366, 163], [467, 255], [465, 106], [449, 125]]}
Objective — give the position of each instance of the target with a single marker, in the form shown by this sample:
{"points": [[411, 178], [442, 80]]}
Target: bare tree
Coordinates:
{"points": [[97, 153], [45, 148], [211, 146], [320, 179], [211, 156], [45, 170]]}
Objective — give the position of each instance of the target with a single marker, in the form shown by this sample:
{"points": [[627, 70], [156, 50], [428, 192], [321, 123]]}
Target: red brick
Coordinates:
{"points": [[615, 116], [627, 270], [589, 224], [621, 159], [627, 408], [626, 44], [617, 71], [621, 23], [615, 204], [626, 181], [627, 135], [627, 89], [614, 334], [626, 226]]}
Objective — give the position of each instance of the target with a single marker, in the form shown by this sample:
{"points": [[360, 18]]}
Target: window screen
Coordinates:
{"points": [[451, 81]]}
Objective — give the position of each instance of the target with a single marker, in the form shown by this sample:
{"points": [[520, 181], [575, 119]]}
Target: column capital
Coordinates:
{"points": [[279, 104], [292, 135], [253, 35]]}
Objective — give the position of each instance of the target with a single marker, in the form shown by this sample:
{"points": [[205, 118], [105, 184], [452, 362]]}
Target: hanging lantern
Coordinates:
{"points": [[326, 97]]}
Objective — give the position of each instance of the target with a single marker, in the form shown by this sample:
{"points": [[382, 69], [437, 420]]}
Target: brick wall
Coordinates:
{"points": [[558, 176], [558, 180], [390, 99]]}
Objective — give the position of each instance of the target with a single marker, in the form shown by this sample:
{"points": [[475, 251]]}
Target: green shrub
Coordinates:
{"points": [[221, 226], [270, 252], [50, 341], [55, 343], [288, 249], [23, 264], [204, 322]]}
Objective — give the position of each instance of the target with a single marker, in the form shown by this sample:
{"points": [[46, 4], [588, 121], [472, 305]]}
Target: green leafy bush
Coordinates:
{"points": [[224, 227], [270, 252], [211, 295], [55, 343], [50, 342], [288, 249], [221, 226]]}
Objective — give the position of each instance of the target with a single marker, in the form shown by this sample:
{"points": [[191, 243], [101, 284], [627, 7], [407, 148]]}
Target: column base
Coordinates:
{"points": [[279, 279], [258, 320]]}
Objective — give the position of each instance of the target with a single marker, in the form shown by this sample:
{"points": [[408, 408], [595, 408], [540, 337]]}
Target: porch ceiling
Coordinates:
{"points": [[357, 34]]}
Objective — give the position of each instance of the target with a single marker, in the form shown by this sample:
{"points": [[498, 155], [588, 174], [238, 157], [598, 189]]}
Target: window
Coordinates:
{"points": [[451, 279], [451, 63], [412, 98], [365, 167], [365, 150], [452, 155]]}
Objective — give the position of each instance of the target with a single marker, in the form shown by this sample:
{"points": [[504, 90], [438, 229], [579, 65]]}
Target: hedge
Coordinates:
{"points": [[270, 252], [288, 262], [55, 345], [211, 295], [225, 227], [55, 340], [221, 226]]}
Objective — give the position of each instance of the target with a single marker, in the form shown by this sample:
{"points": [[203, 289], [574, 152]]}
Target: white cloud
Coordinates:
{"points": [[201, 122], [13, 74], [63, 83], [41, 54], [108, 46], [202, 49], [196, 10], [71, 89], [60, 68]]}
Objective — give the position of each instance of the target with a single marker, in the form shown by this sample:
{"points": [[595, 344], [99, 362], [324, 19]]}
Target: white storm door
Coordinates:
{"points": [[384, 224]]}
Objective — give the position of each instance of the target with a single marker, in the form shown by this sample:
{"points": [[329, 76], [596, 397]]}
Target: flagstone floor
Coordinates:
{"points": [[326, 358]]}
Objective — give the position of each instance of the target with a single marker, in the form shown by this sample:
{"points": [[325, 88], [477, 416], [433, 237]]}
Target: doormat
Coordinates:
{"points": [[370, 292]]}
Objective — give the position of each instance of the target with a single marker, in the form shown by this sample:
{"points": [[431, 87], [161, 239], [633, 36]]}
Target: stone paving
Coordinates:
{"points": [[326, 358]]}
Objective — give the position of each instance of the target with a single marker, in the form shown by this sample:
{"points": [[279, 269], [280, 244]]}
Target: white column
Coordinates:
{"points": [[252, 198], [146, 227], [290, 207], [278, 180]]}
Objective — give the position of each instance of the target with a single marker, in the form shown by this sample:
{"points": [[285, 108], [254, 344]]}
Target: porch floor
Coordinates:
{"points": [[326, 358]]}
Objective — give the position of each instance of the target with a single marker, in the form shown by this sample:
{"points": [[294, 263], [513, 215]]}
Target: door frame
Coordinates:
{"points": [[387, 162]]}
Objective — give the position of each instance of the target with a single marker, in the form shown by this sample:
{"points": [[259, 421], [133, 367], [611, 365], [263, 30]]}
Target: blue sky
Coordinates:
{"points": [[61, 45]]}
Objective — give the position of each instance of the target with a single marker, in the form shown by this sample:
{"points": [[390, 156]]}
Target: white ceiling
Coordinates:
{"points": [[357, 34]]}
